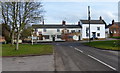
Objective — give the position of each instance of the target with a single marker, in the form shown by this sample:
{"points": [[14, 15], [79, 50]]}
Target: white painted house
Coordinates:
{"points": [[97, 29], [54, 32], [66, 32]]}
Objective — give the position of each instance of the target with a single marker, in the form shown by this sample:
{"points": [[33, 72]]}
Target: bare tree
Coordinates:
{"points": [[20, 14]]}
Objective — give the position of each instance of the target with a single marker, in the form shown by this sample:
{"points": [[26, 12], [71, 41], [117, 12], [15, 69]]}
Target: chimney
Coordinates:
{"points": [[79, 23], [63, 22], [113, 22], [100, 18]]}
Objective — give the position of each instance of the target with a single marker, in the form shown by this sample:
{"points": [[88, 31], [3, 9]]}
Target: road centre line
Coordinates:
{"points": [[102, 62], [79, 50]]}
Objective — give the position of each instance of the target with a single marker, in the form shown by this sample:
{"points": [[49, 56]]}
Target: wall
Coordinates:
{"points": [[93, 28], [53, 31]]}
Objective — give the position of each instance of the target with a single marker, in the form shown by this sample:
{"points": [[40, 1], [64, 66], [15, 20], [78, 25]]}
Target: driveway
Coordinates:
{"points": [[73, 56]]}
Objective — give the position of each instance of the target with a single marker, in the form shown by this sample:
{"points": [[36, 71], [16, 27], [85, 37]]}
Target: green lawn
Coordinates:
{"points": [[116, 37], [26, 49], [110, 45]]}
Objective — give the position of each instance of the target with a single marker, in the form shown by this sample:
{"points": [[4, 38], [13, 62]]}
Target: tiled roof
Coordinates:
{"points": [[93, 21], [56, 26]]}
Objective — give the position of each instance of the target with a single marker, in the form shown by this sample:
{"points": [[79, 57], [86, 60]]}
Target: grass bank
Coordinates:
{"points": [[27, 49], [107, 45]]}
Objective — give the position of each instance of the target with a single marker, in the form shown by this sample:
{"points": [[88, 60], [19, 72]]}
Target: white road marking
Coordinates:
{"points": [[102, 62], [79, 50], [70, 46]]}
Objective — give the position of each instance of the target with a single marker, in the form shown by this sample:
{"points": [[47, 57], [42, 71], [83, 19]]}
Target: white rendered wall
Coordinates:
{"points": [[93, 28], [53, 31]]}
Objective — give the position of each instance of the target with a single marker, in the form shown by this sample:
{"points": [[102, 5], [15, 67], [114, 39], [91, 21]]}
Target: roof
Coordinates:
{"points": [[117, 22], [56, 26], [113, 24], [108, 26], [93, 21]]}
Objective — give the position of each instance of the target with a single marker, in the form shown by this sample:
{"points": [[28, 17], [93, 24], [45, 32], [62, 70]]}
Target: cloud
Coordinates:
{"points": [[72, 12], [80, 0]]}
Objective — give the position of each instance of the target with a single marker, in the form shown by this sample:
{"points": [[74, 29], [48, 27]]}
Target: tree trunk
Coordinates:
{"points": [[12, 40], [17, 41]]}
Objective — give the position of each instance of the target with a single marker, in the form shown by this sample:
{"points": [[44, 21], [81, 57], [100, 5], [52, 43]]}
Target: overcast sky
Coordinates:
{"points": [[73, 11]]}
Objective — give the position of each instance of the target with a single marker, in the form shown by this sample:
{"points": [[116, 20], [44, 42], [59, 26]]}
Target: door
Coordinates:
{"points": [[94, 35], [53, 38]]}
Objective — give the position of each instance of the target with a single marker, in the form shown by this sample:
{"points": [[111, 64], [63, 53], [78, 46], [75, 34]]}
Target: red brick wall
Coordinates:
{"points": [[115, 27]]}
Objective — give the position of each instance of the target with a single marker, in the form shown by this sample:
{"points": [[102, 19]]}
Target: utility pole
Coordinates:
{"points": [[89, 20]]}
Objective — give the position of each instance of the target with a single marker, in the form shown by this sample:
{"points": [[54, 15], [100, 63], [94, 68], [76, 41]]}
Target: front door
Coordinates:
{"points": [[94, 35], [53, 38]]}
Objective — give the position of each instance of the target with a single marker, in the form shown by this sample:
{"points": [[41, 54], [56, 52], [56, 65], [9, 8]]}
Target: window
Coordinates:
{"points": [[58, 36], [67, 31], [72, 31], [40, 33], [98, 34], [58, 30], [44, 30], [36, 30], [70, 37], [98, 28], [46, 36]]}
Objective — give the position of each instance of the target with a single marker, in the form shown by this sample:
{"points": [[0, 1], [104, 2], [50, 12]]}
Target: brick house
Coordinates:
{"points": [[114, 29]]}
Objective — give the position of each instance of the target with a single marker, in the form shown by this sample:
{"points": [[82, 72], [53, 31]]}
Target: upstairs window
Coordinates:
{"points": [[58, 30], [98, 28], [44, 30], [73, 31]]}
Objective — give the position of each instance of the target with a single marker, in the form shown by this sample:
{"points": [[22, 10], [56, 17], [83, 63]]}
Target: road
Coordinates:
{"points": [[74, 56]]}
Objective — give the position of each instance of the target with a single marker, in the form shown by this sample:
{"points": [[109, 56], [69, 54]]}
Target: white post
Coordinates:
{"points": [[32, 39]]}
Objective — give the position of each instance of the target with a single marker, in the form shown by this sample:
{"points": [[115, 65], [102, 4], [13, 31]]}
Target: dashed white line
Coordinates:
{"points": [[79, 50], [102, 62], [70, 46]]}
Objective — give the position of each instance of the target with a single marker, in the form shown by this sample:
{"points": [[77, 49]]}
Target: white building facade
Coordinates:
{"points": [[54, 32], [97, 29], [76, 32]]}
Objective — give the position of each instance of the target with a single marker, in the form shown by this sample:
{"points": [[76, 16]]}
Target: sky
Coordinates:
{"points": [[73, 11]]}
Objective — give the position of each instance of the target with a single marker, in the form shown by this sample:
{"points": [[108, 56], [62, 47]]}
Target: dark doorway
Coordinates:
{"points": [[79, 38], [94, 35], [53, 38]]}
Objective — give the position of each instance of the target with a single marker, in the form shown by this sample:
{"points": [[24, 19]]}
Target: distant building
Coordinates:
{"points": [[97, 29], [57, 32], [114, 29], [67, 32]]}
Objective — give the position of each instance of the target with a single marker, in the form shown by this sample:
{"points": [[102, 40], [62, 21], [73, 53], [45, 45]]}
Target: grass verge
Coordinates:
{"points": [[26, 49], [107, 45]]}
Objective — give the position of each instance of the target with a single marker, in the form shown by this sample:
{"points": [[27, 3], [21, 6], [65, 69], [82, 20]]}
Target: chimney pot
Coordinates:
{"points": [[113, 22], [100, 18], [63, 22], [79, 23]]}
